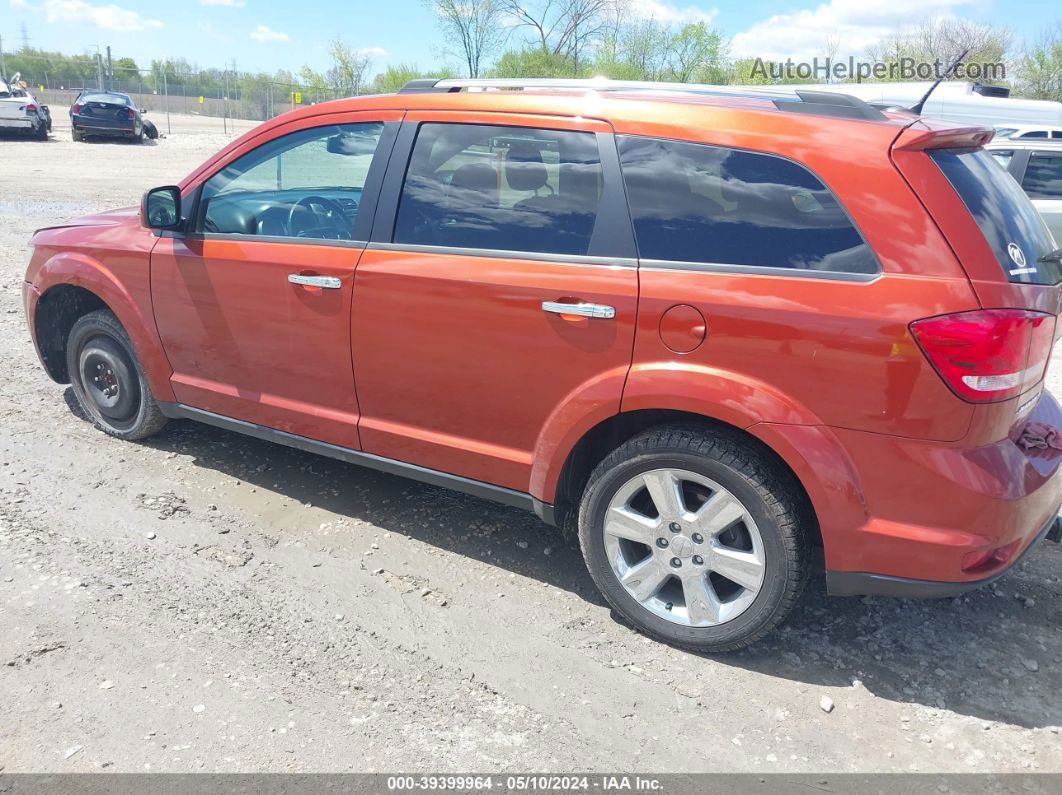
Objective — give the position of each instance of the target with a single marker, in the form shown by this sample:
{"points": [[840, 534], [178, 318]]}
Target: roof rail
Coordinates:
{"points": [[821, 103]]}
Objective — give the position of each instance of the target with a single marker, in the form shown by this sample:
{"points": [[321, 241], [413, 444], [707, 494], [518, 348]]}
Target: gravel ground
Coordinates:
{"points": [[209, 602]]}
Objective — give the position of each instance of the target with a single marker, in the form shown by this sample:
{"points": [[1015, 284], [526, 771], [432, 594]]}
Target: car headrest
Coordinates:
{"points": [[477, 177], [524, 169]]}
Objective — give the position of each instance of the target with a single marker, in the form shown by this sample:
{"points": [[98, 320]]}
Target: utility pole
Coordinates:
{"points": [[110, 69], [25, 37], [166, 95], [99, 70], [3, 71]]}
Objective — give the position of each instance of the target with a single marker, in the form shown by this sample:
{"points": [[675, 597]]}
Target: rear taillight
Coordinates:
{"points": [[31, 109], [988, 354], [130, 113], [75, 109]]}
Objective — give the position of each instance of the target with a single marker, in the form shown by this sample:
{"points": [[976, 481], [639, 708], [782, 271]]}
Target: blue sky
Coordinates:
{"points": [[271, 34]]}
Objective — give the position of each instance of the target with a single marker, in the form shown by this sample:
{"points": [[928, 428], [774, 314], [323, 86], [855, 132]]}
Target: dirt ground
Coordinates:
{"points": [[208, 602]]}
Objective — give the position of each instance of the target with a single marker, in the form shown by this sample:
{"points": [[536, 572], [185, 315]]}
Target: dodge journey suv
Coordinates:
{"points": [[729, 338]]}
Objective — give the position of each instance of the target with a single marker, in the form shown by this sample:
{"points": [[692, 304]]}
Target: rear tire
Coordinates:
{"points": [[77, 136], [41, 131], [108, 380], [705, 506]]}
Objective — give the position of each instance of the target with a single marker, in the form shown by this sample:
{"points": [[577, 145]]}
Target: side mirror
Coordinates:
{"points": [[143, 111], [161, 208]]}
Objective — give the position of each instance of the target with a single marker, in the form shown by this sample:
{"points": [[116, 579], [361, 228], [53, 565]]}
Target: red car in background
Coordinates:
{"points": [[717, 333]]}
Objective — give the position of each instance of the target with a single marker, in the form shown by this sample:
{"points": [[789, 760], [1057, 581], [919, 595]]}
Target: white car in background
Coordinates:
{"points": [[20, 112], [1037, 166], [1027, 131]]}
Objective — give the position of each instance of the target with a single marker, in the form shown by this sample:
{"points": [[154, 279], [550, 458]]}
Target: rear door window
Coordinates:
{"points": [[501, 188], [1011, 225], [695, 203], [1043, 177]]}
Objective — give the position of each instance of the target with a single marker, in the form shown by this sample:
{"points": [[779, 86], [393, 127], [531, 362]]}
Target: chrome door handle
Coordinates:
{"points": [[329, 282], [584, 310]]}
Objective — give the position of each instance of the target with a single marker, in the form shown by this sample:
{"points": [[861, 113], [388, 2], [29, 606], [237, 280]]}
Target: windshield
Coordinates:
{"points": [[1011, 225]]}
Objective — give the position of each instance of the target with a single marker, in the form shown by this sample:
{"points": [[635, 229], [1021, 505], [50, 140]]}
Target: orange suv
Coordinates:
{"points": [[723, 334]]}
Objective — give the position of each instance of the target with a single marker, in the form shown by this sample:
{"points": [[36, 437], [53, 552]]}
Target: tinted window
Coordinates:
{"points": [[1057, 134], [307, 185], [508, 188], [1043, 177], [1034, 134], [1003, 212], [710, 204]]}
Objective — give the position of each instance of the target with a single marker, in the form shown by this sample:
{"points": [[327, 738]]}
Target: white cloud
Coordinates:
{"points": [[374, 52], [266, 33], [107, 17], [667, 13], [855, 24], [229, 3]]}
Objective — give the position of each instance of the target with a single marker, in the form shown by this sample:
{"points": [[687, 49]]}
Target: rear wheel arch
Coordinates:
{"points": [[603, 438]]}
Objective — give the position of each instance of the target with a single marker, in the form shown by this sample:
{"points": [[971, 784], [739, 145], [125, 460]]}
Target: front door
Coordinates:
{"points": [[253, 305], [497, 299]]}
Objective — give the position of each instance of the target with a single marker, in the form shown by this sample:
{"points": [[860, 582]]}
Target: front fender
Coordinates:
{"points": [[129, 297]]}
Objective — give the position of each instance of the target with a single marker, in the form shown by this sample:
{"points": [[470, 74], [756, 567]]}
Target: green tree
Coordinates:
{"points": [[1039, 74]]}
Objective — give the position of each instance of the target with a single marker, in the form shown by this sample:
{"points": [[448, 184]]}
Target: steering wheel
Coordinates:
{"points": [[328, 214]]}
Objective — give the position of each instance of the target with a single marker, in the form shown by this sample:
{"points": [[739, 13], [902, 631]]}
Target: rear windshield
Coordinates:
{"points": [[1011, 225], [113, 99]]}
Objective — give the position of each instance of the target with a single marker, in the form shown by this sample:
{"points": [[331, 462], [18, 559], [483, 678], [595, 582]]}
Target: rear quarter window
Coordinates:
{"points": [[1011, 225], [697, 203]]}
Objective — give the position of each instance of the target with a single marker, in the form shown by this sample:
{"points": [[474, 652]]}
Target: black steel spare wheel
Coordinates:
{"points": [[110, 381], [107, 379]]}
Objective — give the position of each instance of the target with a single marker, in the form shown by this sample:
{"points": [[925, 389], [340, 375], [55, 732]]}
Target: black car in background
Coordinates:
{"points": [[106, 113]]}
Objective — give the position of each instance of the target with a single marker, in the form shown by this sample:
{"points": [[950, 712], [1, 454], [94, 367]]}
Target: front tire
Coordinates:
{"points": [[696, 537], [108, 380]]}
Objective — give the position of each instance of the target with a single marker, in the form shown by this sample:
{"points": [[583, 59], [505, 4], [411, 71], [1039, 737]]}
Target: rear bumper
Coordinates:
{"points": [[104, 127], [942, 518], [858, 583], [18, 124]]}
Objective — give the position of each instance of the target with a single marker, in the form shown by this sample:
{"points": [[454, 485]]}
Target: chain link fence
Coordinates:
{"points": [[225, 94]]}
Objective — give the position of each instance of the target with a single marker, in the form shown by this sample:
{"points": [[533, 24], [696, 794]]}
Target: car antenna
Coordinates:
{"points": [[917, 107]]}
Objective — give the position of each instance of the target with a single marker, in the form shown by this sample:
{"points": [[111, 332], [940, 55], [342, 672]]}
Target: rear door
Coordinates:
{"points": [[497, 296]]}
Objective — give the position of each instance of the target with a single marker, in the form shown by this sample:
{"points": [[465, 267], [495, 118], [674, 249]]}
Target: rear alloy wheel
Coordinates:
{"points": [[107, 378], [696, 538]]}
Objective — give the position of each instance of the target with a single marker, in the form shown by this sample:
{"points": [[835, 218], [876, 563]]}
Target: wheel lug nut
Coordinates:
{"points": [[674, 527], [698, 538], [676, 563], [661, 542], [698, 560]]}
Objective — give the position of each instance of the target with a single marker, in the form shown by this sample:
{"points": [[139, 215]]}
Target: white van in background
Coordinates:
{"points": [[956, 101]]}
